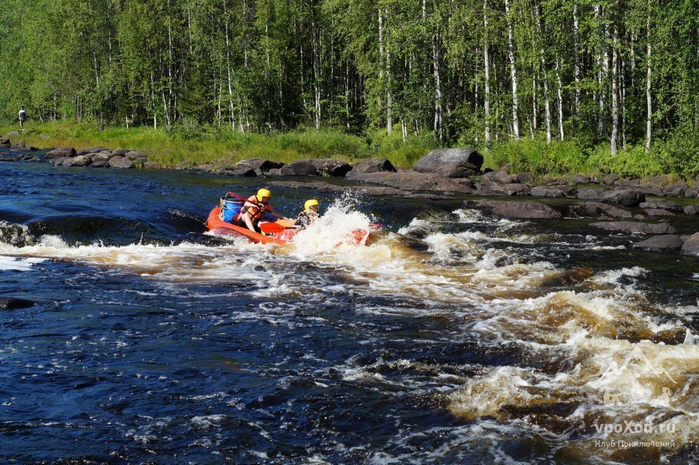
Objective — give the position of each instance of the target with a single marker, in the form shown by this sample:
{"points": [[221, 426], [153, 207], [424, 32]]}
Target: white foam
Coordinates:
{"points": [[18, 264]]}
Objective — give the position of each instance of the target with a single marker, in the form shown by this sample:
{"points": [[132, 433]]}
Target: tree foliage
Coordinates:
{"points": [[414, 66]]}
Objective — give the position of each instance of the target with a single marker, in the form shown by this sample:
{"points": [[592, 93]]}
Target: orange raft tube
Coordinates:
{"points": [[222, 228]]}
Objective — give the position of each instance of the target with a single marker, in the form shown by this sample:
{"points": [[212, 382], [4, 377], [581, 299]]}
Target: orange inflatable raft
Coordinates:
{"points": [[278, 235]]}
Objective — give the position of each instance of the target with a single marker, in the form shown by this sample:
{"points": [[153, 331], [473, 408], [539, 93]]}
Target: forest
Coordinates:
{"points": [[597, 75]]}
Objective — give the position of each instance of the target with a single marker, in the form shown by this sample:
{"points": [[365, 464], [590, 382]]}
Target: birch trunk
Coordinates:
{"points": [[649, 101], [513, 72], [576, 70], [602, 71], [316, 71], [438, 110], [560, 99], [547, 100], [228, 69], [486, 61], [615, 103], [385, 71]]}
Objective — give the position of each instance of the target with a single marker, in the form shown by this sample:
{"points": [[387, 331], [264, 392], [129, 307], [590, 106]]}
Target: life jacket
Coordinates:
{"points": [[305, 219], [257, 210]]}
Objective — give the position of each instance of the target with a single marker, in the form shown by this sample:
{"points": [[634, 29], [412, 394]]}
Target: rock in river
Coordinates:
{"points": [[665, 242], [453, 163], [514, 209]]}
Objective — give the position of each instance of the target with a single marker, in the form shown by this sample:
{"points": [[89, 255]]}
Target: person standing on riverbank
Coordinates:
{"points": [[22, 117]]}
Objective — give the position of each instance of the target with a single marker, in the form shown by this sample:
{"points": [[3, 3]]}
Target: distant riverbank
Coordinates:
{"points": [[197, 146]]}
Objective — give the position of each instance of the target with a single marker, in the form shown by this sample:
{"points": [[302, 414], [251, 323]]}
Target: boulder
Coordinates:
{"points": [[375, 165], [4, 142], [59, 161], [452, 163], [134, 155], [120, 162], [61, 152], [589, 193], [691, 245], [261, 164], [676, 190], [10, 303], [524, 178], [99, 157], [330, 167], [121, 152], [648, 190], [19, 145], [486, 187], [691, 209], [412, 181], [298, 168], [627, 183], [80, 160], [548, 191], [514, 209], [610, 179], [634, 227], [659, 181], [244, 171], [500, 177], [597, 210], [512, 190], [661, 203], [658, 212], [692, 192], [665, 242], [581, 179], [625, 197], [100, 164], [97, 149]]}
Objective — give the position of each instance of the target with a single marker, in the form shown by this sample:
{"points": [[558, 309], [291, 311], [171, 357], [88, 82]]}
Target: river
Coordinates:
{"points": [[452, 337]]}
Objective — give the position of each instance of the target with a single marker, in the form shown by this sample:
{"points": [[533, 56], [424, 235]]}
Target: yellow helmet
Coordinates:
{"points": [[263, 193], [310, 203]]}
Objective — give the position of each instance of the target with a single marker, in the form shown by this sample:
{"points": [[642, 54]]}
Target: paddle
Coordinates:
{"points": [[286, 223], [271, 228]]}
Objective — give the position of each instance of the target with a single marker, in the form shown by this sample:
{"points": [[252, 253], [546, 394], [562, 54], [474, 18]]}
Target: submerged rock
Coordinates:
{"points": [[10, 303]]}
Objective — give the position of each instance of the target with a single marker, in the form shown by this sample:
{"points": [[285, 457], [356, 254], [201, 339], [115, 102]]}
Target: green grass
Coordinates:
{"points": [[195, 146], [218, 147]]}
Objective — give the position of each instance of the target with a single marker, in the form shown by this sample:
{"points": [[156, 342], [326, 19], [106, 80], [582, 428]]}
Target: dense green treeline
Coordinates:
{"points": [[469, 72]]}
